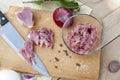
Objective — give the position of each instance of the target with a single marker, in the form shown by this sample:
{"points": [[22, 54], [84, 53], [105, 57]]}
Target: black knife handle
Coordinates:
{"points": [[3, 19]]}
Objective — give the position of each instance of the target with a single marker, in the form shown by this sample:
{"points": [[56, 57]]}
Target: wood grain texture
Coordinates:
{"points": [[102, 8], [89, 69], [109, 53], [111, 26]]}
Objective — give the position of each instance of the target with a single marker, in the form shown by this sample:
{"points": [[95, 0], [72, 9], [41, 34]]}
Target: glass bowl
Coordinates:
{"points": [[81, 19]]}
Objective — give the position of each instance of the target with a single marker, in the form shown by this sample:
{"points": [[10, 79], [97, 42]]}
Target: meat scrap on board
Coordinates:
{"points": [[25, 17]]}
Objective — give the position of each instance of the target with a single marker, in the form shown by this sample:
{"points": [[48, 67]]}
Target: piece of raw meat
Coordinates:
{"points": [[27, 52], [25, 17], [43, 36]]}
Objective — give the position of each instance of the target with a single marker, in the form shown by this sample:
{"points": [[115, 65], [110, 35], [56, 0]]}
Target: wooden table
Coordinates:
{"points": [[108, 11]]}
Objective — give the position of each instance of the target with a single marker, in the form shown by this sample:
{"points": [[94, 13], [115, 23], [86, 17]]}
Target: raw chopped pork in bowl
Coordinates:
{"points": [[84, 36]]}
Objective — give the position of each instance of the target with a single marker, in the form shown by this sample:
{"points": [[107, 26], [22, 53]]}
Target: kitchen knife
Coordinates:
{"points": [[13, 38]]}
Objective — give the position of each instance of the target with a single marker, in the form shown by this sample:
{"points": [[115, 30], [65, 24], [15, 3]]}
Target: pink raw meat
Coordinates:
{"points": [[82, 38], [43, 36], [27, 52], [26, 17]]}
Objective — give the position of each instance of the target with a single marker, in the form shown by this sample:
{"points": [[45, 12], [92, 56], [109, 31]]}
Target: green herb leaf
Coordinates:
{"points": [[70, 0], [70, 5], [39, 2]]}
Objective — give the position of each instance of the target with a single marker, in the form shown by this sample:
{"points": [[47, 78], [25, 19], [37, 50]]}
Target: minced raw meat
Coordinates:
{"points": [[82, 38], [43, 36]]}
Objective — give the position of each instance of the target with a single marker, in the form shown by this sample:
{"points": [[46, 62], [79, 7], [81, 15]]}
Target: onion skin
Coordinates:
{"points": [[28, 76]]}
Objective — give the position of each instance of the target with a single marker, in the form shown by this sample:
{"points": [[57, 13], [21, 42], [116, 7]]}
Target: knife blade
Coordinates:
{"points": [[16, 42]]}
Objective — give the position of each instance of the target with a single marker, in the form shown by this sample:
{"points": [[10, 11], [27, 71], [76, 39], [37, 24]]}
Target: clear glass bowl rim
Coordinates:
{"points": [[96, 49]]}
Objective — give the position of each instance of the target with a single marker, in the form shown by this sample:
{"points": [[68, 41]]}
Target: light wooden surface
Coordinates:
{"points": [[89, 65], [108, 11]]}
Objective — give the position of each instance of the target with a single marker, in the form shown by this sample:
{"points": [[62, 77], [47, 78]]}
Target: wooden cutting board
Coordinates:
{"points": [[69, 65]]}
